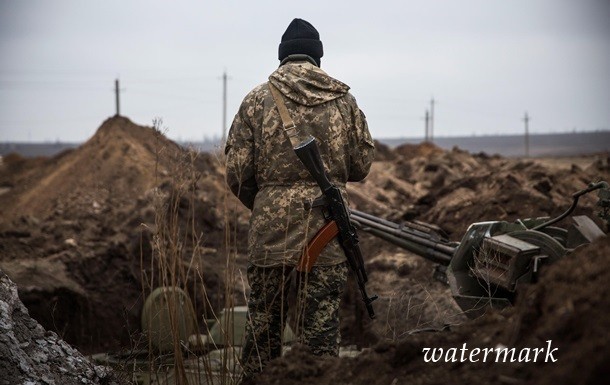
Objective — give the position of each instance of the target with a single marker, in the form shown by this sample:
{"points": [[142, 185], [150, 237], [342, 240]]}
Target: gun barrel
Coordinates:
{"points": [[426, 244], [421, 229]]}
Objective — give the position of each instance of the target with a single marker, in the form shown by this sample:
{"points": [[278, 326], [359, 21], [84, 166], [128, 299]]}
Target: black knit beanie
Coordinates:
{"points": [[301, 38]]}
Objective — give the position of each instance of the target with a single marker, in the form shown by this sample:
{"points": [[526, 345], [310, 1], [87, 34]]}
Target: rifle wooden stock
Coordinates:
{"points": [[316, 245]]}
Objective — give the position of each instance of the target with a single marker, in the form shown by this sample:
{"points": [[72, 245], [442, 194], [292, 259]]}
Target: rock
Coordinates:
{"points": [[70, 242], [31, 355]]}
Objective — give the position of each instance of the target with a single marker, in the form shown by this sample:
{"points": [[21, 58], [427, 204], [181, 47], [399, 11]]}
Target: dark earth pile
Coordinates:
{"points": [[78, 230], [568, 306], [86, 234]]}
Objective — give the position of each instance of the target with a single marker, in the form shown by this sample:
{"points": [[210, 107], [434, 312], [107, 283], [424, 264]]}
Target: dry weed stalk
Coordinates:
{"points": [[483, 257], [176, 261], [406, 313]]}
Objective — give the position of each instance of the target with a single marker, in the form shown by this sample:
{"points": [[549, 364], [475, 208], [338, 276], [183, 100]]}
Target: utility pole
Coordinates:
{"points": [[427, 132], [116, 93], [224, 106], [431, 135], [526, 119], [117, 90]]}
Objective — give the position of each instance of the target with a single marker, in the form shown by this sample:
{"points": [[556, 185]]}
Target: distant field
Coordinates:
{"points": [[569, 144], [35, 149], [545, 145]]}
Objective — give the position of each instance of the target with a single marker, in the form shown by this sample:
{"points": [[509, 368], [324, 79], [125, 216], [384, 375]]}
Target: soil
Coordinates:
{"points": [[88, 233], [84, 233], [568, 306]]}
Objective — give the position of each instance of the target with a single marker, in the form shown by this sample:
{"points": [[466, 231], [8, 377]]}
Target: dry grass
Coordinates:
{"points": [[177, 262]]}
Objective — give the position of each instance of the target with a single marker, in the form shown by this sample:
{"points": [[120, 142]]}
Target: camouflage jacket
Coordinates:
{"points": [[266, 175]]}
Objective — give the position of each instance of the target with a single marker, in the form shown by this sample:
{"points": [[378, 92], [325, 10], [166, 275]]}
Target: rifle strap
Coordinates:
{"points": [[329, 231], [290, 129]]}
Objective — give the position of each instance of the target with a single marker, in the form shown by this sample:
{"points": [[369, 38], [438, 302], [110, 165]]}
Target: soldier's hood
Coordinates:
{"points": [[306, 84]]}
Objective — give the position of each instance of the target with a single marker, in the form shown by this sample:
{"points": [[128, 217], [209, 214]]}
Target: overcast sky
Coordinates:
{"points": [[485, 62]]}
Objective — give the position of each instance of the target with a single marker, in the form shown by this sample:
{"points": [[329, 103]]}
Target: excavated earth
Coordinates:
{"points": [[87, 234], [568, 306]]}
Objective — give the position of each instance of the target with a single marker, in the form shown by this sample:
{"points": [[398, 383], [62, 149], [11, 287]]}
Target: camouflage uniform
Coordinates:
{"points": [[317, 313], [265, 174]]}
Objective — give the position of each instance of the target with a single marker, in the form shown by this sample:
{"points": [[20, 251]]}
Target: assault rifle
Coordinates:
{"points": [[339, 221]]}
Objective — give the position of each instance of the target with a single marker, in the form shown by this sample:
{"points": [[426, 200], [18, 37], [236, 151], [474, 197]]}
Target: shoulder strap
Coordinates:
{"points": [[315, 246], [290, 129]]}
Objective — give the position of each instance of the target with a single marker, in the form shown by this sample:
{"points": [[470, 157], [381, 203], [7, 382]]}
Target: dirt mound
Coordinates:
{"points": [[119, 162], [453, 189], [88, 233], [569, 306], [88, 228], [425, 149]]}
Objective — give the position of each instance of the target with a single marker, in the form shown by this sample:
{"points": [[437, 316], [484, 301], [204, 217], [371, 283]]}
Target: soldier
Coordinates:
{"points": [[267, 177]]}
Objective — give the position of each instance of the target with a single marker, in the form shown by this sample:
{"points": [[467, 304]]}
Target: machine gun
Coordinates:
{"points": [[493, 258]]}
